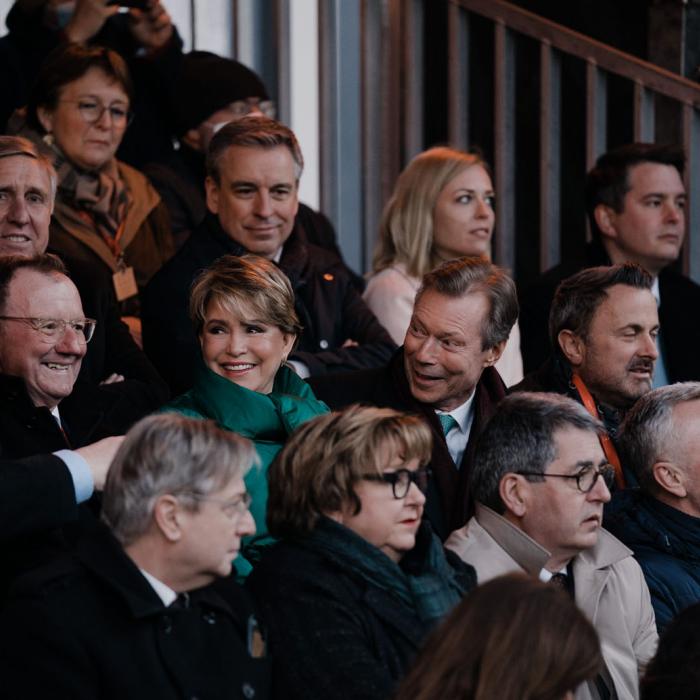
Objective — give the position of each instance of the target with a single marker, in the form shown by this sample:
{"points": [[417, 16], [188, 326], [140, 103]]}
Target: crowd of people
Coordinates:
{"points": [[230, 467]]}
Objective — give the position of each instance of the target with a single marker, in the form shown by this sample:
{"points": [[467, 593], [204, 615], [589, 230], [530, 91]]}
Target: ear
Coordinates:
{"points": [[45, 119], [512, 491], [605, 218], [289, 340], [493, 355], [670, 479], [212, 189], [167, 515], [572, 346]]}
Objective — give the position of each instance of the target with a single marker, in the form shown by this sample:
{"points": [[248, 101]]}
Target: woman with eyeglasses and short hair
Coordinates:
{"points": [[106, 212], [358, 579]]}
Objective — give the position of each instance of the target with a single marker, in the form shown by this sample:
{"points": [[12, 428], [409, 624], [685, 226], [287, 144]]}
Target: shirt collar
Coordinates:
{"points": [[165, 593], [655, 291], [461, 414]]}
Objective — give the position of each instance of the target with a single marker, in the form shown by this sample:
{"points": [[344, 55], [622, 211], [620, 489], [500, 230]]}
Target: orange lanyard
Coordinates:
{"points": [[605, 442]]}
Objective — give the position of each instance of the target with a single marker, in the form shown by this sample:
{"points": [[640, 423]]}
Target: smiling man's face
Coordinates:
{"points": [[49, 367], [25, 206], [443, 357], [256, 198]]}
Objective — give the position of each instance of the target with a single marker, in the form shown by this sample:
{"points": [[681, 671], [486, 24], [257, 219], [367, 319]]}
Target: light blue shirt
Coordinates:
{"points": [[80, 472]]}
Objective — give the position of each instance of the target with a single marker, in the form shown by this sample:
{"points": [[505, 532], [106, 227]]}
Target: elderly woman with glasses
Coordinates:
{"points": [[243, 314], [358, 579], [106, 213]]}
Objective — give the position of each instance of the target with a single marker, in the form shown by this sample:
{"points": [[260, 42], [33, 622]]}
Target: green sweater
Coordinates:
{"points": [[266, 419]]}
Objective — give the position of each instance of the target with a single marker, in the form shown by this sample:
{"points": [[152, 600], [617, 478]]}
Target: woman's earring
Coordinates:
{"points": [[48, 139]]}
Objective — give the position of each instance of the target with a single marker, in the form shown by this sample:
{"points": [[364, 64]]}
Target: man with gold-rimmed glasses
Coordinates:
{"points": [[540, 480], [44, 336]]}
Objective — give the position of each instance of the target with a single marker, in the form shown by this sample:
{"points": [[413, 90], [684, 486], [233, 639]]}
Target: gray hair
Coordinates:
{"points": [[252, 132], [648, 431], [11, 146], [521, 436], [473, 275], [169, 454]]}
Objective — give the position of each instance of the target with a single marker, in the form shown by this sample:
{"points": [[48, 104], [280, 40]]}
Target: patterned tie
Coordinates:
{"points": [[447, 422]]}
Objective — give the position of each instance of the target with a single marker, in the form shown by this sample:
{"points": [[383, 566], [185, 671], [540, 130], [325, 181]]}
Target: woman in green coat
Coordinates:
{"points": [[243, 313]]}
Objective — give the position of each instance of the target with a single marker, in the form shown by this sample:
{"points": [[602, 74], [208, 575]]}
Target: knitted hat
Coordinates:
{"points": [[208, 83]]}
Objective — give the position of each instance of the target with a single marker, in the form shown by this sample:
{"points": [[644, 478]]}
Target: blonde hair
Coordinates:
{"points": [[248, 280], [320, 464], [406, 229]]}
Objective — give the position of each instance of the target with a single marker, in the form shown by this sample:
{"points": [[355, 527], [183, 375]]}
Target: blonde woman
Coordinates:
{"points": [[442, 208]]}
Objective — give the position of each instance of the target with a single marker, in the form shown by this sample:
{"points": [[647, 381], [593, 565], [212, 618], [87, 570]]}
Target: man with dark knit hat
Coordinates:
{"points": [[213, 91]]}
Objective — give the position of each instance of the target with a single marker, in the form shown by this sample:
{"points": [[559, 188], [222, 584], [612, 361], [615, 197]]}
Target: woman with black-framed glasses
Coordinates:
{"points": [[358, 579], [106, 213]]}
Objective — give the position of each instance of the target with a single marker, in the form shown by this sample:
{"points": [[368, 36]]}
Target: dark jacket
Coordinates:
{"points": [[666, 543], [332, 632], [449, 504], [91, 627], [329, 307], [112, 348], [88, 414], [680, 327], [36, 493]]}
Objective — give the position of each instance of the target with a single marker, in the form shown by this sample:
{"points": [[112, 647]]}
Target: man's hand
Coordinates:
{"points": [[99, 456], [88, 18], [152, 27]]}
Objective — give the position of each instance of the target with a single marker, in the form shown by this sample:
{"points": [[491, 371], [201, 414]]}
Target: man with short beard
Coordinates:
{"points": [[603, 326]]}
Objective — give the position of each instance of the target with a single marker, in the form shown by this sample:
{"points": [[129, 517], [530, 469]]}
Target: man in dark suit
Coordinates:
{"points": [[253, 170], [635, 200], [27, 193], [463, 315]]}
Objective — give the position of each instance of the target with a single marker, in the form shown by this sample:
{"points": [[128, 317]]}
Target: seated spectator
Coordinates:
{"points": [[512, 638], [145, 38], [212, 91], [357, 580], [28, 182], [42, 492], [243, 314], [253, 170], [442, 208], [635, 202], [674, 672], [540, 480], [131, 615], [43, 339], [603, 325], [463, 314], [660, 522], [107, 214]]}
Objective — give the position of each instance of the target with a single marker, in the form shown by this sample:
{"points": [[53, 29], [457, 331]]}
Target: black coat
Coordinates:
{"points": [[36, 493], [112, 348], [91, 627], [328, 304], [680, 324], [90, 413], [449, 504], [332, 632]]}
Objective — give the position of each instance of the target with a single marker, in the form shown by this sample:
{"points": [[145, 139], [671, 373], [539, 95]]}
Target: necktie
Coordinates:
{"points": [[447, 422]]}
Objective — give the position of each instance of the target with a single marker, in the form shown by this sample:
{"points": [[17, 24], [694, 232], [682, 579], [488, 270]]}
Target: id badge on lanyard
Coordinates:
{"points": [[124, 281]]}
